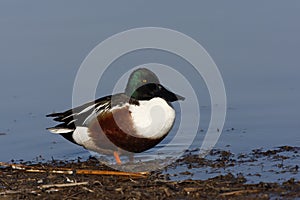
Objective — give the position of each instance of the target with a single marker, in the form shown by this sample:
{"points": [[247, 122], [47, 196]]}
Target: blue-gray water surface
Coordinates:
{"points": [[255, 45]]}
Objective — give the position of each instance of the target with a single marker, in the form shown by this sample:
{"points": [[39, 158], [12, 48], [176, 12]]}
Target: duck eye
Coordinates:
{"points": [[144, 81]]}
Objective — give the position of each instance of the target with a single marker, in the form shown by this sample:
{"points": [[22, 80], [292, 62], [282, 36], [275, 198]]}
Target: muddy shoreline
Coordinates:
{"points": [[19, 184]]}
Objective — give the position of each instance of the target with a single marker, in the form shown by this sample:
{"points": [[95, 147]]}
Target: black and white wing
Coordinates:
{"points": [[79, 116], [82, 115]]}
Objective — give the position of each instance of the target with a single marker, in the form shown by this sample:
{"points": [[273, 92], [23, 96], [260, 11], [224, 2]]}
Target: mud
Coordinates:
{"points": [[18, 184]]}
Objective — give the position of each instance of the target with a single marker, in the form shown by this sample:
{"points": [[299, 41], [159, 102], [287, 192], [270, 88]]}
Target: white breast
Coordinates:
{"points": [[152, 119]]}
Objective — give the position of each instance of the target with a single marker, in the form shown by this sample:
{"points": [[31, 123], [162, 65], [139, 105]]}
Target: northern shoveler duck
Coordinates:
{"points": [[133, 121]]}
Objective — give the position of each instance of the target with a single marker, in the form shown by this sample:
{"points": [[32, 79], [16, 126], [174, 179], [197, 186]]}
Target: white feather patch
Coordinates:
{"points": [[152, 119], [81, 135], [100, 108], [86, 109], [60, 130]]}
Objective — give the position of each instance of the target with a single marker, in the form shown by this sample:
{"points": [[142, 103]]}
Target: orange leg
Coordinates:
{"points": [[116, 155]]}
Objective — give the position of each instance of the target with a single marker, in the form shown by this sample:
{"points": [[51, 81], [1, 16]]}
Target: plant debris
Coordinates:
{"points": [[17, 183]]}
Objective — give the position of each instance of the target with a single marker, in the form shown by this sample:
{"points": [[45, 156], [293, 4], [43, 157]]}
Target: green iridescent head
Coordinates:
{"points": [[143, 84], [138, 78]]}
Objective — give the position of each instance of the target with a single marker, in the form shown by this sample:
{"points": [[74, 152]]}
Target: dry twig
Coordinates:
{"points": [[239, 192], [62, 185], [73, 171]]}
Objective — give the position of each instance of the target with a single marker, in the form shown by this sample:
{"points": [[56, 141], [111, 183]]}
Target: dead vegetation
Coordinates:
{"points": [[91, 180]]}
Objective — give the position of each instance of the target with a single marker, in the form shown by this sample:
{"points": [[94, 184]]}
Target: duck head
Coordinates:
{"points": [[143, 84]]}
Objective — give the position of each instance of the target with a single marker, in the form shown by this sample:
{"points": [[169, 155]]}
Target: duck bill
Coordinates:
{"points": [[174, 97], [170, 96], [181, 98]]}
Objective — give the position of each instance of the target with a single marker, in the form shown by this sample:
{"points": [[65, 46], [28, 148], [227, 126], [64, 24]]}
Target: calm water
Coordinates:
{"points": [[256, 46]]}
